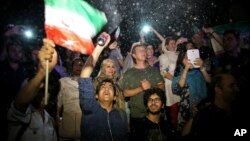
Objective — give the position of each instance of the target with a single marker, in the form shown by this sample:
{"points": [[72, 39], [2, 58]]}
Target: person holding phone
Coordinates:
{"points": [[190, 84], [192, 55]]}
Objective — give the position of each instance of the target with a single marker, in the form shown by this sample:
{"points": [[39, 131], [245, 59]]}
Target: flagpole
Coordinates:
{"points": [[46, 81]]}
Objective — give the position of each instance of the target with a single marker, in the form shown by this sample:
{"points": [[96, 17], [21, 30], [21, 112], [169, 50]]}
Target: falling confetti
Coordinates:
{"points": [[169, 17]]}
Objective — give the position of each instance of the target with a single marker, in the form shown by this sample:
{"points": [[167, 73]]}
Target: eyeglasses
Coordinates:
{"points": [[156, 100]]}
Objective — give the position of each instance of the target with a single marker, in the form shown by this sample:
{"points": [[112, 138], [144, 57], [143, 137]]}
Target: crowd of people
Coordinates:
{"points": [[138, 96]]}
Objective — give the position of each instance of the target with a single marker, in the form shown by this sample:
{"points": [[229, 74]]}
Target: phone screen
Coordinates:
{"points": [[192, 54]]}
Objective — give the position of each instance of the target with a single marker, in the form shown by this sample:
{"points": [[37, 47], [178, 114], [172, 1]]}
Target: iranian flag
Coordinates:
{"points": [[73, 23]]}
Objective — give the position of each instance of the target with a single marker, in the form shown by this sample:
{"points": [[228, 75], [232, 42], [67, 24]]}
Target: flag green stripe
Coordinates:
{"points": [[82, 8]]}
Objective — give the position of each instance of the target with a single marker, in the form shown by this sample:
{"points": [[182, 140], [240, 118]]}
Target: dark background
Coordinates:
{"points": [[169, 17]]}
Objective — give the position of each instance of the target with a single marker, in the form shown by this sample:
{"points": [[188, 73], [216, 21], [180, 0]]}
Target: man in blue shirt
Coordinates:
{"points": [[101, 120]]}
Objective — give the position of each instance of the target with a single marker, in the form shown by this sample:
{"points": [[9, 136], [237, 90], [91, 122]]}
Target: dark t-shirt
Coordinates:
{"points": [[213, 123], [151, 131]]}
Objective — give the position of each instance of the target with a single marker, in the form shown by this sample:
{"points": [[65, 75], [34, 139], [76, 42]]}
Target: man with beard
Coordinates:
{"points": [[155, 127]]}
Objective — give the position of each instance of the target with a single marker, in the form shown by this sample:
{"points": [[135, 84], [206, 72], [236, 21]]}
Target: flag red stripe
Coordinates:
{"points": [[60, 36]]}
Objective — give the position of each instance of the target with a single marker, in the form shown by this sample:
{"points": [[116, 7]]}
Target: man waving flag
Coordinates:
{"points": [[73, 23]]}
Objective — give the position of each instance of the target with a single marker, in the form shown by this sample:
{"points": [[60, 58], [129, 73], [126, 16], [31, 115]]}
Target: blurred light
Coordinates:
{"points": [[28, 33], [146, 28]]}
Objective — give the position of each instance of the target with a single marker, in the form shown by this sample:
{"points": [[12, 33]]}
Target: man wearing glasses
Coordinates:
{"points": [[156, 127]]}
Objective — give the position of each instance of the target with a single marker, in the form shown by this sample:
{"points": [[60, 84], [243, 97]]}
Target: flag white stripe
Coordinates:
{"points": [[69, 20]]}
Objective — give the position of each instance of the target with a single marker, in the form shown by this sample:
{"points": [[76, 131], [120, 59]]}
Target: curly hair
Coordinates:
{"points": [[156, 91]]}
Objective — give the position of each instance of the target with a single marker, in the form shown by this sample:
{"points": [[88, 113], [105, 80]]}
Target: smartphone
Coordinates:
{"points": [[192, 54]]}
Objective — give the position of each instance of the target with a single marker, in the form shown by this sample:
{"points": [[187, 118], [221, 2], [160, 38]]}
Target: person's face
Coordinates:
{"points": [[154, 104], [230, 42], [229, 88], [77, 67], [150, 50], [171, 45], [106, 92], [109, 69], [197, 39], [15, 53], [189, 46], [140, 53]]}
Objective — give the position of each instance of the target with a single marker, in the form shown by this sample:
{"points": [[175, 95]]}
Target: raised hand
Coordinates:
{"points": [[187, 63], [145, 84], [199, 62], [47, 52], [207, 29]]}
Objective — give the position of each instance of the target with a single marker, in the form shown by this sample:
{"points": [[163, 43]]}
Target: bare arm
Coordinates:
{"points": [[158, 34], [216, 37], [183, 77], [182, 80], [92, 59], [142, 39], [132, 92], [203, 70], [29, 91], [205, 75], [144, 86]]}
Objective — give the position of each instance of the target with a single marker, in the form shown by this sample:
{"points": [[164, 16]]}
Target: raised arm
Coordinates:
{"points": [[211, 31], [88, 102], [142, 39], [217, 49], [92, 59], [203, 70], [29, 91], [157, 34]]}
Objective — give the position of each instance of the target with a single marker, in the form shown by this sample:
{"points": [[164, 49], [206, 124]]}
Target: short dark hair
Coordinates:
{"points": [[75, 59], [98, 87], [156, 91], [232, 31]]}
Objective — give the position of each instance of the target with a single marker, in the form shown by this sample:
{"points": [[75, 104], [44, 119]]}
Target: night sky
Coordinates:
{"points": [[169, 17]]}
